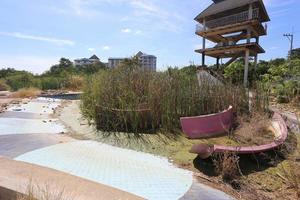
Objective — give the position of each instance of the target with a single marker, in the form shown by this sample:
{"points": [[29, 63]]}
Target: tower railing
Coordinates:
{"points": [[228, 20]]}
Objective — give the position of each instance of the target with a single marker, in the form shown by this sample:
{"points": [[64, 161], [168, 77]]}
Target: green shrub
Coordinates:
{"points": [[19, 81]]}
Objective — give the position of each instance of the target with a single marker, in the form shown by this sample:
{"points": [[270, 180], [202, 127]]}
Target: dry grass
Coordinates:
{"points": [[26, 93], [291, 175], [35, 192], [75, 83], [227, 165], [3, 86], [253, 130]]}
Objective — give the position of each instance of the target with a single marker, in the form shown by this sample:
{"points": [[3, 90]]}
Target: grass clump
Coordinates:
{"points": [[26, 93]]}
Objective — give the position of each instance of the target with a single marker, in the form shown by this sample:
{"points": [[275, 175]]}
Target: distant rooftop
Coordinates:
{"points": [[141, 54], [94, 57], [226, 6]]}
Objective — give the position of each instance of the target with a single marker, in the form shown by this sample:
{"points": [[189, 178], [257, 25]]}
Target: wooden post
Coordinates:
{"points": [[203, 43], [218, 63], [247, 54], [255, 62], [248, 35]]}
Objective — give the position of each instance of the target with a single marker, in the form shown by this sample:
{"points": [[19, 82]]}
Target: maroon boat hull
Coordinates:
{"points": [[207, 125]]}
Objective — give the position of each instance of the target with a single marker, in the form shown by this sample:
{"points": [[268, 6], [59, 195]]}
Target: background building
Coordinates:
{"points": [[146, 61], [87, 61], [115, 62]]}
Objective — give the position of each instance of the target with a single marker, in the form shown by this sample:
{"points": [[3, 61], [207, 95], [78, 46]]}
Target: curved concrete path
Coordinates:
{"points": [[141, 174], [18, 176], [144, 175]]}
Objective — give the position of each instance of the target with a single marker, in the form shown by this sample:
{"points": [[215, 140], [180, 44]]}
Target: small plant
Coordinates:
{"points": [[227, 165]]}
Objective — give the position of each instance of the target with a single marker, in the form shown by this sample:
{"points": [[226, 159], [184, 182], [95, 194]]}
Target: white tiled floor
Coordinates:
{"points": [[10, 126], [142, 174]]}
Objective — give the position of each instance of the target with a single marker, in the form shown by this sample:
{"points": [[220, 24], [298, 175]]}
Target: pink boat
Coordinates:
{"points": [[207, 125], [279, 128]]}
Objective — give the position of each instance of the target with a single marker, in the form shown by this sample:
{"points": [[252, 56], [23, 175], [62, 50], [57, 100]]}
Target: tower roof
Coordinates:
{"points": [[220, 7]]}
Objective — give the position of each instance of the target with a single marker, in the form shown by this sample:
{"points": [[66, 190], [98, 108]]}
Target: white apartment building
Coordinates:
{"points": [[146, 61]]}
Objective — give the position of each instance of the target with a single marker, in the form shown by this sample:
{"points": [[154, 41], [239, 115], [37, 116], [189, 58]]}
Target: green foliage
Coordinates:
{"points": [[295, 54], [64, 66], [91, 69], [61, 76], [235, 72], [20, 80]]}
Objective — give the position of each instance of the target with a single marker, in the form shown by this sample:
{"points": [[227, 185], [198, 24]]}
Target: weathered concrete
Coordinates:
{"points": [[23, 115], [199, 191], [18, 176], [10, 126], [14, 145]]}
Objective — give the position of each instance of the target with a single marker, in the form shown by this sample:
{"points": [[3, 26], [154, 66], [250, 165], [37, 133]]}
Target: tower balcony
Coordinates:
{"points": [[228, 20]]}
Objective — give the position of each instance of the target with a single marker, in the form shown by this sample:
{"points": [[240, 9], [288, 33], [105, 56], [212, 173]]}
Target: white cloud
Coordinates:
{"points": [[126, 30], [91, 49], [30, 63], [106, 48], [56, 41], [162, 12], [137, 32]]}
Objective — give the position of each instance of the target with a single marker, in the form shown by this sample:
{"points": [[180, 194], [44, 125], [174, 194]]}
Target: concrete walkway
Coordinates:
{"points": [[140, 174], [18, 176]]}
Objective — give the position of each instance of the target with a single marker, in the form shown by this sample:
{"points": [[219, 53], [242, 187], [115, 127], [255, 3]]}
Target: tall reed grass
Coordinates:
{"points": [[130, 99]]}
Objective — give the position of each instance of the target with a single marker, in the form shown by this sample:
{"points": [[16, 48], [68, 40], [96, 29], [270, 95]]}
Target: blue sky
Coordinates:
{"points": [[34, 34]]}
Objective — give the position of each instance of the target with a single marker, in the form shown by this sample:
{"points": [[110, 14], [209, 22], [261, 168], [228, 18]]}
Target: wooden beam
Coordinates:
{"points": [[231, 60], [217, 51]]}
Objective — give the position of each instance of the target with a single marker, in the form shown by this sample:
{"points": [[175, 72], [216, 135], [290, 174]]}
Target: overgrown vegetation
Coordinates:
{"points": [[280, 75], [64, 75], [129, 99]]}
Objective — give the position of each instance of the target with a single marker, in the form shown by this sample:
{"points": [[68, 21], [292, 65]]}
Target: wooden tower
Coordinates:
{"points": [[235, 27]]}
